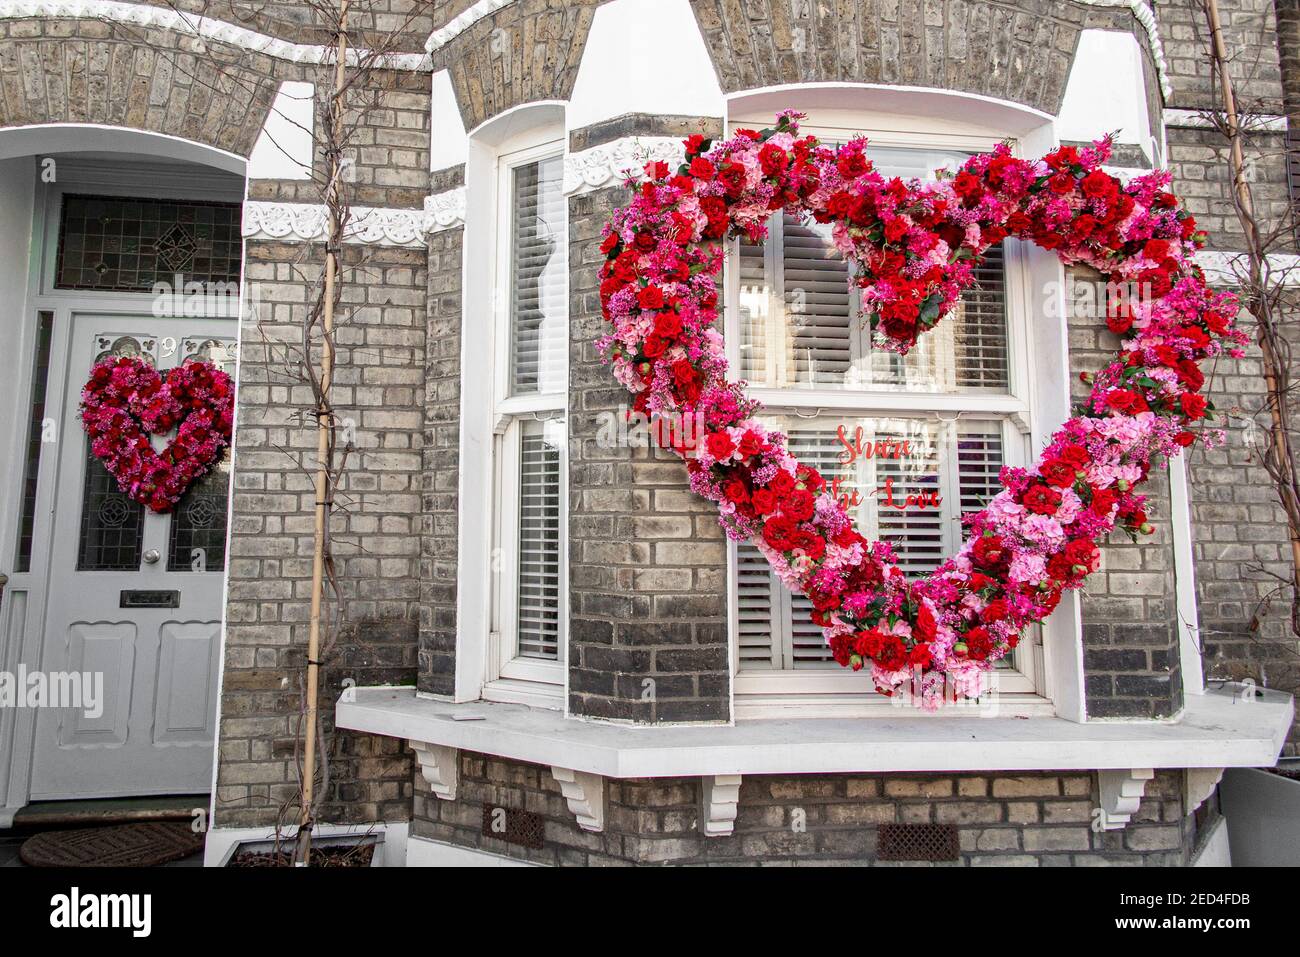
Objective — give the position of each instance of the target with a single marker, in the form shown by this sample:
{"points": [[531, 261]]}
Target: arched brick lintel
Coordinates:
{"points": [[157, 81]]}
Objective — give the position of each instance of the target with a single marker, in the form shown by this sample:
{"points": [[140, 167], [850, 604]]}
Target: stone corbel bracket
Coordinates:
{"points": [[585, 794], [1200, 784], [440, 766], [1121, 793], [720, 795]]}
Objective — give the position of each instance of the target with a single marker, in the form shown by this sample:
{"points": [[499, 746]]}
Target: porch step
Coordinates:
{"points": [[44, 814]]}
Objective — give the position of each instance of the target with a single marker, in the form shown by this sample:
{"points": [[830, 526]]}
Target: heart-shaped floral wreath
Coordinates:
{"points": [[126, 400], [914, 246]]}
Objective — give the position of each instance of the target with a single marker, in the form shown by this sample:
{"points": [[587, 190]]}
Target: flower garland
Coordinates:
{"points": [[126, 400], [914, 246]]}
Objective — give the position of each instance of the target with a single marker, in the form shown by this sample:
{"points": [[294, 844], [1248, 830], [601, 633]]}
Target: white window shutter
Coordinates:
{"points": [[539, 591], [980, 350], [819, 315], [538, 282], [759, 623]]}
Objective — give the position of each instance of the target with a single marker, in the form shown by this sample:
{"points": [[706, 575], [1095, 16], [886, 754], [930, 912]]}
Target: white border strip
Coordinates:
{"points": [[306, 222], [458, 25], [144, 15]]}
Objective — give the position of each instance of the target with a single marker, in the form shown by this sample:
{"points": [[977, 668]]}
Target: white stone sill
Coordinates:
{"points": [[1217, 729]]}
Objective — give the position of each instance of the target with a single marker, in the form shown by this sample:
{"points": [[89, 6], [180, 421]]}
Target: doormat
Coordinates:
{"points": [[127, 845]]}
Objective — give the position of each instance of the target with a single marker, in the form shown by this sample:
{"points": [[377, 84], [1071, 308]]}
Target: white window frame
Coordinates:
{"points": [[509, 675], [841, 692]]}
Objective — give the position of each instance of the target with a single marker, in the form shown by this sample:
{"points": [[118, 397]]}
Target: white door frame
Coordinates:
{"points": [[22, 607]]}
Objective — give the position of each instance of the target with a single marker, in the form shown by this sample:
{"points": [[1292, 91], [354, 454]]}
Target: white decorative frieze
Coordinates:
{"points": [[721, 796], [307, 222], [459, 24], [444, 210], [609, 163], [1121, 793], [204, 27], [440, 766], [585, 794]]}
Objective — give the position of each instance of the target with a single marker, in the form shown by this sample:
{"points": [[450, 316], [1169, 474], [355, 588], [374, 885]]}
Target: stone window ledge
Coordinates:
{"points": [[1225, 727]]}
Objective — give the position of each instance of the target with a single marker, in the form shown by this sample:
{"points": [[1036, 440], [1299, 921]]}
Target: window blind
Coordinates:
{"points": [[538, 617], [538, 281]]}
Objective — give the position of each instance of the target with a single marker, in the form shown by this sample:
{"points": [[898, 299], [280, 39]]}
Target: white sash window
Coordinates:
{"points": [[958, 399], [526, 640]]}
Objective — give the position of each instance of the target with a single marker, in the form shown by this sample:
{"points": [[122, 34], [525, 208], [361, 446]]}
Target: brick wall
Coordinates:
{"points": [[528, 50], [1129, 608], [379, 392], [1037, 819], [1018, 51], [439, 512], [92, 71], [1239, 537]]}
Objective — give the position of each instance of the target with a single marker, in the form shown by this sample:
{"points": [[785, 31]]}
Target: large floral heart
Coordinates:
{"points": [[126, 400], [914, 246]]}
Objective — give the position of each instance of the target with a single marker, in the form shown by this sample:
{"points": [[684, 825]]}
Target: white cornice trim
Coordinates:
{"points": [[145, 15], [444, 210], [1147, 17], [305, 222], [609, 163], [459, 24], [1204, 119]]}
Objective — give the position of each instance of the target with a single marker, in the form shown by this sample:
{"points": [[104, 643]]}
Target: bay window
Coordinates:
{"points": [[526, 638], [910, 443]]}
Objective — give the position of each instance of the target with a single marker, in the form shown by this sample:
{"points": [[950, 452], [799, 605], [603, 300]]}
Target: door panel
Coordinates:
{"points": [[159, 663]]}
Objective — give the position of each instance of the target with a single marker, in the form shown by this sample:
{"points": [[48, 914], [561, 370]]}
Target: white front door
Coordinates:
{"points": [[133, 595]]}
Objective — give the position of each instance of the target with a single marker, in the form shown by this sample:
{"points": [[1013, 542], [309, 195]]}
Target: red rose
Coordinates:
{"points": [[735, 491], [651, 297], [799, 505], [1041, 499], [1103, 500], [892, 653], [668, 325], [702, 168], [1156, 249], [763, 500], [1083, 553], [777, 533], [782, 483], [990, 552], [773, 159], [1058, 473], [1193, 405], [925, 627], [654, 347], [720, 445], [995, 610], [1097, 185], [978, 643]]}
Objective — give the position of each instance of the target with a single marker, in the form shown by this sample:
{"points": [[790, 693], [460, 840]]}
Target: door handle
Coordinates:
{"points": [[151, 557]]}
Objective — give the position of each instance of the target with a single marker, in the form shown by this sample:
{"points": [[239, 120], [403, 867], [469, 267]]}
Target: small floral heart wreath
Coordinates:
{"points": [[914, 246], [126, 400]]}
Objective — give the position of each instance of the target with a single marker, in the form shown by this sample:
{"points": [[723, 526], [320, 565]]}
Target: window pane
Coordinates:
{"points": [[539, 539], [539, 332], [897, 475], [127, 244], [35, 440], [812, 336]]}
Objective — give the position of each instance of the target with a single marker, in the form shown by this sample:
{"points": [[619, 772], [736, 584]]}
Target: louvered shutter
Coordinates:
{"points": [[538, 281], [820, 448], [755, 306], [980, 329], [819, 317], [979, 460], [916, 533], [759, 621], [539, 544]]}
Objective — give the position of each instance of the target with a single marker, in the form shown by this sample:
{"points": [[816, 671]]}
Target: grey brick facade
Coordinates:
{"points": [[647, 574]]}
